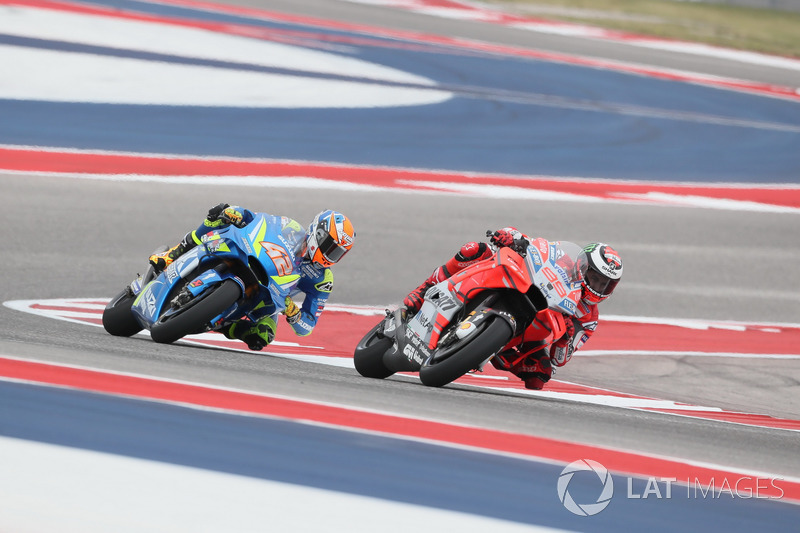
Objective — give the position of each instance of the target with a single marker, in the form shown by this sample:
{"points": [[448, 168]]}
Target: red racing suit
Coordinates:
{"points": [[534, 354]]}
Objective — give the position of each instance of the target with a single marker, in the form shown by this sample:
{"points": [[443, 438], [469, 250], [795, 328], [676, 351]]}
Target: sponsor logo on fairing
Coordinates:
{"points": [[288, 246], [465, 329], [150, 301], [171, 272], [413, 354], [568, 305], [445, 302], [425, 322]]}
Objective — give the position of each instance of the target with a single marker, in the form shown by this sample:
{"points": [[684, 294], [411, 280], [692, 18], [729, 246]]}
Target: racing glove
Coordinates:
{"points": [[233, 216], [215, 212], [414, 300], [561, 350], [509, 237], [502, 237], [291, 311]]}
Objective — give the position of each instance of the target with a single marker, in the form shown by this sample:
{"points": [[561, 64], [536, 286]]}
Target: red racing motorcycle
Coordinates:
{"points": [[480, 311]]}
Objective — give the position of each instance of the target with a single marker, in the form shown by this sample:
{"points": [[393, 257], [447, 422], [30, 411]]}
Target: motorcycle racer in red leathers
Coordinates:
{"points": [[532, 357]]}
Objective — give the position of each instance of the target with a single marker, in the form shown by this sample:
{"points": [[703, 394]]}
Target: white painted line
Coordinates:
{"points": [[432, 188], [129, 80]]}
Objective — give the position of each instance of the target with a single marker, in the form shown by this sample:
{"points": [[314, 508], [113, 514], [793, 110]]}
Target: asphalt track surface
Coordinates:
{"points": [[75, 238]]}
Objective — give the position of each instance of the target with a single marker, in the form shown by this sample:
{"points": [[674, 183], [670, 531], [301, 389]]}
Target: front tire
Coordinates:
{"points": [[368, 357], [192, 319], [488, 342], [118, 319]]}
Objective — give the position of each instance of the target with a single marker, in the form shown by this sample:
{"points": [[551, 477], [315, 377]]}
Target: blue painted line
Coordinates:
{"points": [[383, 467]]}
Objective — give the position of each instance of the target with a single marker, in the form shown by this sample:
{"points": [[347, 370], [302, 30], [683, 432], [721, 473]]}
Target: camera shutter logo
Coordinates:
{"points": [[586, 509]]}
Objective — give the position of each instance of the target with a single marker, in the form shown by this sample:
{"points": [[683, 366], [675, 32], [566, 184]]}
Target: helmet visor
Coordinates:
{"points": [[328, 246], [601, 285]]}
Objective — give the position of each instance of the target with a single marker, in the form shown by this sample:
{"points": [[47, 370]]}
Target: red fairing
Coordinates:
{"points": [[483, 274]]}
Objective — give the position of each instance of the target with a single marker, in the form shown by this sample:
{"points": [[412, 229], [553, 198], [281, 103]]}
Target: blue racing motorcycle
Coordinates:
{"points": [[214, 284]]}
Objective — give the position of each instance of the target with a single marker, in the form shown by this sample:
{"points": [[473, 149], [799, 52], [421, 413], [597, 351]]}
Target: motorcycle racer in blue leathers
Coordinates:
{"points": [[328, 238]]}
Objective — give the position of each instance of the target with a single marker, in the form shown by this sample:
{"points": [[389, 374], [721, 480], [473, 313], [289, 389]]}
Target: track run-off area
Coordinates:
{"points": [[124, 120]]}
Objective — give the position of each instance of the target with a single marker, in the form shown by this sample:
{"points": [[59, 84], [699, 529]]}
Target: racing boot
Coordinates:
{"points": [[164, 259], [535, 369], [414, 299], [256, 335], [506, 360]]}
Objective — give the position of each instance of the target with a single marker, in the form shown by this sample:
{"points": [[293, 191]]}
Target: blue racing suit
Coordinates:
{"points": [[315, 282]]}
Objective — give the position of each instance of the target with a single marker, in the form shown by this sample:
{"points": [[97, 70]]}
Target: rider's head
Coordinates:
{"points": [[329, 237], [601, 268]]}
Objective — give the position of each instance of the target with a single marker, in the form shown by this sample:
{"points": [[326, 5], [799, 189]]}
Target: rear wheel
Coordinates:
{"points": [[477, 349], [368, 357], [197, 313], [117, 316]]}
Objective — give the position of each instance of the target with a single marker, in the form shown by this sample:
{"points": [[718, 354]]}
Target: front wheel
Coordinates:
{"points": [[368, 357], [488, 342], [117, 316], [195, 315]]}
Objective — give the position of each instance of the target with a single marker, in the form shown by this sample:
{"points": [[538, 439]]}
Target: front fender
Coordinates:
{"points": [[212, 277], [154, 297]]}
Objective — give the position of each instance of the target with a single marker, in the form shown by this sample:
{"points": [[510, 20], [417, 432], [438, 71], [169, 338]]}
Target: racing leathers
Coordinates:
{"points": [[531, 358], [315, 282]]}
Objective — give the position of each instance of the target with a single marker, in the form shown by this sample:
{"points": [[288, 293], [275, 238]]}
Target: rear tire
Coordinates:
{"points": [[368, 357], [118, 319], [488, 342], [193, 318]]}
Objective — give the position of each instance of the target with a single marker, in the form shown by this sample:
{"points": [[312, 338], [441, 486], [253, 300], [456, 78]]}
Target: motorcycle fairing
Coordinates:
{"points": [[552, 269], [246, 245], [438, 308], [148, 305], [408, 351], [446, 298]]}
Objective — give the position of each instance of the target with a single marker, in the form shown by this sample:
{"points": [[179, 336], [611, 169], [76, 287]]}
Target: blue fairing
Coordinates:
{"points": [[268, 244]]}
